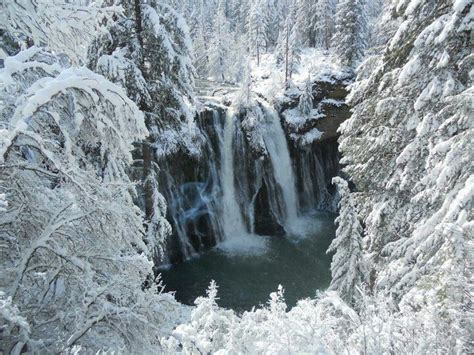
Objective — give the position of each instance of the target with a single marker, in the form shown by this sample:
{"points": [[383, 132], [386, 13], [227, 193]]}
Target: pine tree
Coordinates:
{"points": [[201, 36], [351, 26], [149, 54], [324, 14], [407, 147], [219, 44], [305, 105], [347, 267], [256, 30], [271, 15], [307, 21], [375, 22], [288, 48]]}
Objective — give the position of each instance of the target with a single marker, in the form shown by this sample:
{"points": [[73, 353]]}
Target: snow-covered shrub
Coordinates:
{"points": [[207, 329], [73, 258]]}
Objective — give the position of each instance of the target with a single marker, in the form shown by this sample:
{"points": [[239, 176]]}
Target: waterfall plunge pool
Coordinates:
{"points": [[247, 271]]}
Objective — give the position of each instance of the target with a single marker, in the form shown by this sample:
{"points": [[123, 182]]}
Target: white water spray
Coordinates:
{"points": [[277, 147], [233, 223], [237, 240]]}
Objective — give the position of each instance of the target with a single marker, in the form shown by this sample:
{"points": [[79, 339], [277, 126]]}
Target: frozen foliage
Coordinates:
{"points": [[218, 56], [73, 259], [227, 32], [347, 265], [268, 78], [59, 25], [155, 68], [307, 138], [408, 148], [305, 105], [324, 21], [350, 39], [324, 325], [3, 202], [256, 30], [296, 120], [288, 46], [254, 125]]}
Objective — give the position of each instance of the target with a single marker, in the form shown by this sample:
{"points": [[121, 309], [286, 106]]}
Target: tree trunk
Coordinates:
{"points": [[287, 55], [258, 48], [147, 151], [311, 39], [138, 22]]}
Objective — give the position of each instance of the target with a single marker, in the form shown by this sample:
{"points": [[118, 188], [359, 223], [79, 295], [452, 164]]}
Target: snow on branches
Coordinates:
{"points": [[61, 26], [75, 261]]}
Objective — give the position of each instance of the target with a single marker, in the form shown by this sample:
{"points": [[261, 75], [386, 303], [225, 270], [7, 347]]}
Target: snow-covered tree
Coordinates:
{"points": [[305, 105], [245, 95], [61, 26], [324, 27], [351, 25], [149, 55], [376, 10], [207, 329], [201, 36], [347, 267], [307, 21], [219, 45], [9, 45], [271, 10], [256, 30], [74, 260], [288, 47], [407, 148]]}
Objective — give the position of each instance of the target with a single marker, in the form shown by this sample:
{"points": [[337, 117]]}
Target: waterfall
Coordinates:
{"points": [[233, 195], [277, 146], [233, 223]]}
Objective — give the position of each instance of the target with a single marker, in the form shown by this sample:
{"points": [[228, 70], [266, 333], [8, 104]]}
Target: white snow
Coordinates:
{"points": [[319, 65], [308, 137], [297, 121]]}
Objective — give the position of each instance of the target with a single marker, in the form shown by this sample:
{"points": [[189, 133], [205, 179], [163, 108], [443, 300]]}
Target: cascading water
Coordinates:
{"points": [[278, 151], [237, 238], [233, 223], [248, 184], [219, 199]]}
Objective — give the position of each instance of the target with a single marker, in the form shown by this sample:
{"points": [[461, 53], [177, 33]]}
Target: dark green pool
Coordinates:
{"points": [[247, 273]]}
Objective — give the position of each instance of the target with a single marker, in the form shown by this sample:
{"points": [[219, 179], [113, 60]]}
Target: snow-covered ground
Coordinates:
{"points": [[317, 65], [268, 77]]}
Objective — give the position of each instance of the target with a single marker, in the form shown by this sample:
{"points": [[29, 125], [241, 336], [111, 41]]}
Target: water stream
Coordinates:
{"points": [[233, 222], [277, 147]]}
